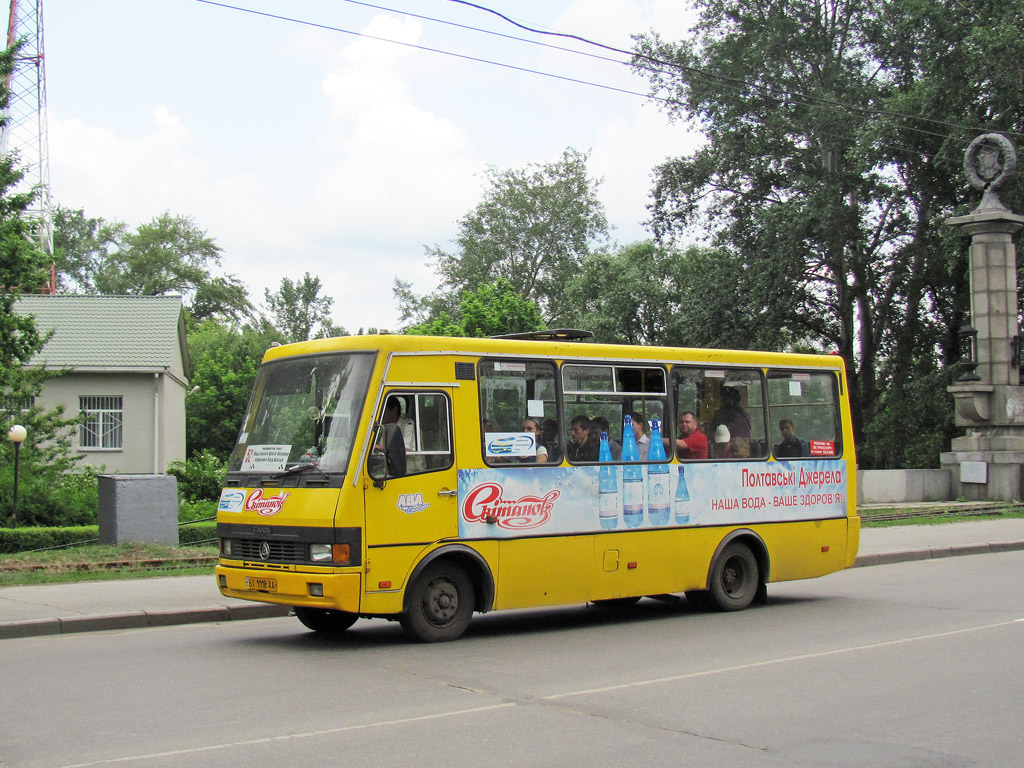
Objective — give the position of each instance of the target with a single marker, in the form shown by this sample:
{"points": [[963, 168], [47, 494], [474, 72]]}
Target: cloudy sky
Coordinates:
{"points": [[302, 148]]}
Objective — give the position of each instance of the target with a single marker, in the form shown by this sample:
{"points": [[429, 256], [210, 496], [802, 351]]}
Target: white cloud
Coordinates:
{"points": [[344, 156]]}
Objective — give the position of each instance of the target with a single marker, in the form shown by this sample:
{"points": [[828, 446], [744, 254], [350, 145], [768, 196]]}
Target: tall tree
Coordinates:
{"points": [[23, 268], [834, 141], [490, 310], [224, 363], [645, 293], [299, 312], [169, 254], [533, 228]]}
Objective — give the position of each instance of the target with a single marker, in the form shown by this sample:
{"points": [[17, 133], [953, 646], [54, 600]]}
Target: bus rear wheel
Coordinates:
{"points": [[439, 604], [325, 622], [735, 578]]}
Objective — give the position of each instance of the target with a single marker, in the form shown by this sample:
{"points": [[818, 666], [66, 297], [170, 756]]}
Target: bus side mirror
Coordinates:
{"points": [[377, 467], [377, 464]]}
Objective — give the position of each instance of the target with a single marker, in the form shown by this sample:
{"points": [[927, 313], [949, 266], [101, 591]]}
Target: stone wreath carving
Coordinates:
{"points": [[989, 162]]}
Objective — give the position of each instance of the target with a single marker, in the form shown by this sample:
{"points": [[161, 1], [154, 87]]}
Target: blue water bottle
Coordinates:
{"points": [[608, 487], [657, 479], [681, 504], [632, 479]]}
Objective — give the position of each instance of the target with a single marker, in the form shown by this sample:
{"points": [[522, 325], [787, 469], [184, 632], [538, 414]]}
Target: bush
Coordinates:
{"points": [[200, 477], [14, 540], [48, 499], [195, 533], [196, 510], [26, 539]]}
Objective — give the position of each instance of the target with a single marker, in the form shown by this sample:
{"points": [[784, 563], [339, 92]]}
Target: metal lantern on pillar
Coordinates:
{"points": [[16, 434], [968, 336]]}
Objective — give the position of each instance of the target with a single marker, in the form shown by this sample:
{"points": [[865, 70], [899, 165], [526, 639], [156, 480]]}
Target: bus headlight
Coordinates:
{"points": [[336, 554], [320, 553], [225, 547]]}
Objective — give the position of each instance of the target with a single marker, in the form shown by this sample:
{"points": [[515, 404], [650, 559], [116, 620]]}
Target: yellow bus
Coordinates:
{"points": [[422, 479]]}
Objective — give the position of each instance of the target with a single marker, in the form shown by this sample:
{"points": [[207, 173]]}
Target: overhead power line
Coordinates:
{"points": [[653, 64]]}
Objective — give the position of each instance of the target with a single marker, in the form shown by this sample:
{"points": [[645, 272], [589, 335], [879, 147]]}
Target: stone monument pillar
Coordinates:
{"points": [[986, 463]]}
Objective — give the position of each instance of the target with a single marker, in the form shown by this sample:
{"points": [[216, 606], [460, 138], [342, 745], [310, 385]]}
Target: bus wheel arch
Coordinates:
{"points": [[475, 567], [738, 573]]}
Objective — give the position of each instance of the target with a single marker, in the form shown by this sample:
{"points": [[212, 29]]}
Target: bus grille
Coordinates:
{"points": [[280, 551]]}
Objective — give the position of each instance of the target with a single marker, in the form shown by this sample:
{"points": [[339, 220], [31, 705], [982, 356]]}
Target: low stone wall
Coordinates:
{"points": [[893, 486]]}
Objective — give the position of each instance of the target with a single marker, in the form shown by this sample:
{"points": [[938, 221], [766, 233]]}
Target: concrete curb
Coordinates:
{"points": [[887, 558], [140, 619]]}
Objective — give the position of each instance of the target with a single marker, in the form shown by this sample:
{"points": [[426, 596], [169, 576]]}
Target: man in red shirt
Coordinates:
{"points": [[691, 443]]}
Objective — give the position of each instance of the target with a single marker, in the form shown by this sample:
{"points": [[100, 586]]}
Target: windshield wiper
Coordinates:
{"points": [[299, 468]]}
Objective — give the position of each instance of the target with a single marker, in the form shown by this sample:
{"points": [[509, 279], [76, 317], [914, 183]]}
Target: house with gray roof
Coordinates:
{"points": [[126, 371]]}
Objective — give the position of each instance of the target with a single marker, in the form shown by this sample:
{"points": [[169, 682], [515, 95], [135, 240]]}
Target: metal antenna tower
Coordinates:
{"points": [[24, 128]]}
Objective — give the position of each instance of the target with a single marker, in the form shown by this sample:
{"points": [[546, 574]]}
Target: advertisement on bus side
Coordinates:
{"points": [[507, 502]]}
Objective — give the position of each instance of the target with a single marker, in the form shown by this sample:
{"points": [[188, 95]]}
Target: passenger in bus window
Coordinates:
{"points": [[691, 443], [393, 444], [739, 448], [541, 453], [791, 447], [599, 424], [582, 447], [722, 446], [732, 414], [549, 434], [643, 442]]}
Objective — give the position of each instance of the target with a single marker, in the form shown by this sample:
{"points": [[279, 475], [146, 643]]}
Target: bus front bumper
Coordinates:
{"points": [[332, 591]]}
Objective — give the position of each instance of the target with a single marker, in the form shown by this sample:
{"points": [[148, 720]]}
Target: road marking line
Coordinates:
{"points": [[769, 662], [287, 737], [552, 697]]}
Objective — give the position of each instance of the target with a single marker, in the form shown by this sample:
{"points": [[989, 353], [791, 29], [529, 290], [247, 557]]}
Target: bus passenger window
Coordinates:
{"points": [[803, 407], [598, 396], [519, 413], [727, 407]]}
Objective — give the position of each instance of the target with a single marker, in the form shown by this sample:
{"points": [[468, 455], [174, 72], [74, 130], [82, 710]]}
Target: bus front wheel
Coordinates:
{"points": [[439, 605], [734, 578], [325, 622]]}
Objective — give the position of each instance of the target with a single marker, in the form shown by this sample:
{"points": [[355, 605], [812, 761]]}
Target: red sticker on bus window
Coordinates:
{"points": [[823, 448]]}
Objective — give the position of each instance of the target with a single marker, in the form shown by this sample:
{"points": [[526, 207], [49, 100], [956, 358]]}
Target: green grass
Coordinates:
{"points": [[952, 512], [95, 562]]}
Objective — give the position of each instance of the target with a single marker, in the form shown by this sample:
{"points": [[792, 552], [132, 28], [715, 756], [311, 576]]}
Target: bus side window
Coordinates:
{"points": [[513, 393], [426, 431], [803, 408], [729, 405]]}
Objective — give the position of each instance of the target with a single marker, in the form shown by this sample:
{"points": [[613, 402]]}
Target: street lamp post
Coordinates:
{"points": [[16, 435]]}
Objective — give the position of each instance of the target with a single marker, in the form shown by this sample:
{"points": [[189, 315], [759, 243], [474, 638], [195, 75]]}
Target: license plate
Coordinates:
{"points": [[261, 583]]}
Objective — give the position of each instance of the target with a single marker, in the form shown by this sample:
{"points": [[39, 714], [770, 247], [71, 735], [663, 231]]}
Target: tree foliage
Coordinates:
{"points": [[490, 310], [835, 135], [169, 254], [224, 364], [43, 456], [532, 229], [646, 293], [299, 312]]}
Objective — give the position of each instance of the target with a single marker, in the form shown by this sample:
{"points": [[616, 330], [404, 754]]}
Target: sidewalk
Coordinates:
{"points": [[51, 609]]}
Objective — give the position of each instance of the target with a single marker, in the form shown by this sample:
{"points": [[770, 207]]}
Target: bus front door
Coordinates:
{"points": [[407, 513]]}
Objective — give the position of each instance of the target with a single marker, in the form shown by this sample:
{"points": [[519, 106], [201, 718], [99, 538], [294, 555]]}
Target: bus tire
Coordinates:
{"points": [[735, 578], [439, 604], [325, 622]]}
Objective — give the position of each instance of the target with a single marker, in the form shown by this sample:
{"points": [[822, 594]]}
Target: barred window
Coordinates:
{"points": [[102, 419]]}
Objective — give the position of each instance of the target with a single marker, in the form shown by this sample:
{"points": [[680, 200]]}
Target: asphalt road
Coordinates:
{"points": [[916, 664]]}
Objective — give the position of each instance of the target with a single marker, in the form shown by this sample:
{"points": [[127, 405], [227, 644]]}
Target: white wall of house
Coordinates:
{"points": [[153, 418]]}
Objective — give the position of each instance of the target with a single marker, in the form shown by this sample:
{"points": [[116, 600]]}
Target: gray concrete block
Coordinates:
{"points": [[138, 508]]}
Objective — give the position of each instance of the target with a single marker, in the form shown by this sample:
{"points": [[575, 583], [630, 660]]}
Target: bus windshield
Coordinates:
{"points": [[304, 410]]}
